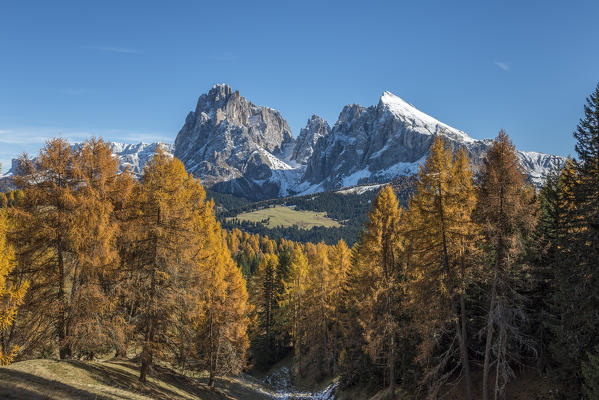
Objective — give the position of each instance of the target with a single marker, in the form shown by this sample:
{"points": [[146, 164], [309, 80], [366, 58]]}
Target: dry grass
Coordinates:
{"points": [[52, 379]]}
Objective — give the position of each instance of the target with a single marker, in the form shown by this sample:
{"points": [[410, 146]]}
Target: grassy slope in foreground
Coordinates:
{"points": [[287, 216], [52, 379]]}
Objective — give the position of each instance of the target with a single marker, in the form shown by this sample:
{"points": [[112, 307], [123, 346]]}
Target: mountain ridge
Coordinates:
{"points": [[237, 147]]}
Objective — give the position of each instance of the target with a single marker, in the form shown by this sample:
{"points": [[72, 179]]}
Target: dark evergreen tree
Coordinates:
{"points": [[575, 299], [590, 372], [542, 254]]}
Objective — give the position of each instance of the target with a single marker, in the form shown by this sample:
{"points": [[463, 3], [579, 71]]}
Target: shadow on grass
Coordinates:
{"points": [[164, 383], [38, 386], [110, 375]]}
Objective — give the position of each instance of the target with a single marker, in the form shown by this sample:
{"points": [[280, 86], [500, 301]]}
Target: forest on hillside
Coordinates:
{"points": [[468, 284], [349, 208]]}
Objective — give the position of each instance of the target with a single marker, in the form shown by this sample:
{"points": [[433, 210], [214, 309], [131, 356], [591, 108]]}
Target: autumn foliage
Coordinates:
{"points": [[114, 264]]}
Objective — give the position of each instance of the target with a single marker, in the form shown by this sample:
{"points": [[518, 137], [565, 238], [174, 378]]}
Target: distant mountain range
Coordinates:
{"points": [[240, 148]]}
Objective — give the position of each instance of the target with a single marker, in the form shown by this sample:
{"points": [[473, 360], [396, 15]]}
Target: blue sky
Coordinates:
{"points": [[132, 70]]}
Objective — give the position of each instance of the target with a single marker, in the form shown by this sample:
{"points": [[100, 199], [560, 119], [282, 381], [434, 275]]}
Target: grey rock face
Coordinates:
{"points": [[378, 143], [308, 137], [230, 142]]}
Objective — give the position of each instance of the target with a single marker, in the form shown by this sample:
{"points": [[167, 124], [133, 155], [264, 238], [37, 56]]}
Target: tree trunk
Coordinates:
{"points": [[325, 353], [464, 318], [392, 368], [212, 361], [146, 361], [146, 354], [496, 389], [459, 330], [211, 378], [64, 350], [489, 335], [464, 348], [121, 352], [298, 339]]}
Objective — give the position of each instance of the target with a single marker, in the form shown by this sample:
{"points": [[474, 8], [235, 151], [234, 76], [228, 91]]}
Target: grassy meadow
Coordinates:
{"points": [[287, 216]]}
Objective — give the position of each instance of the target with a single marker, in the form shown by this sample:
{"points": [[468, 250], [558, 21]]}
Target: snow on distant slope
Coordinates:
{"points": [[135, 156], [359, 189], [538, 165], [130, 155]]}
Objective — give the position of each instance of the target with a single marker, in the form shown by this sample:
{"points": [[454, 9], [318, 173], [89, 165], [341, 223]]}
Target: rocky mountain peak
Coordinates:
{"points": [[229, 140], [349, 113], [316, 128], [220, 90], [378, 143]]}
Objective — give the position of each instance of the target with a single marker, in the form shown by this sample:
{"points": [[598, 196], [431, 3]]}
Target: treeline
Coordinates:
{"points": [[97, 262], [225, 201], [329, 235]]}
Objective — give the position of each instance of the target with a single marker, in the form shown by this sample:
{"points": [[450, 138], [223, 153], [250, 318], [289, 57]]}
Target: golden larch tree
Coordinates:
{"points": [[168, 203], [317, 306], [380, 311], [95, 327], [441, 237], [292, 304], [45, 233], [339, 261], [11, 296], [221, 316]]}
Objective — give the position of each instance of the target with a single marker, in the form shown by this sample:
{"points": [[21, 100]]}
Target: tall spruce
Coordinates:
{"points": [[264, 296], [575, 299], [544, 255]]}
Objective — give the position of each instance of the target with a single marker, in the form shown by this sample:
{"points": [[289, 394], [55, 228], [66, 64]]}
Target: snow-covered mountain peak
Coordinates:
{"points": [[421, 122], [399, 106]]}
